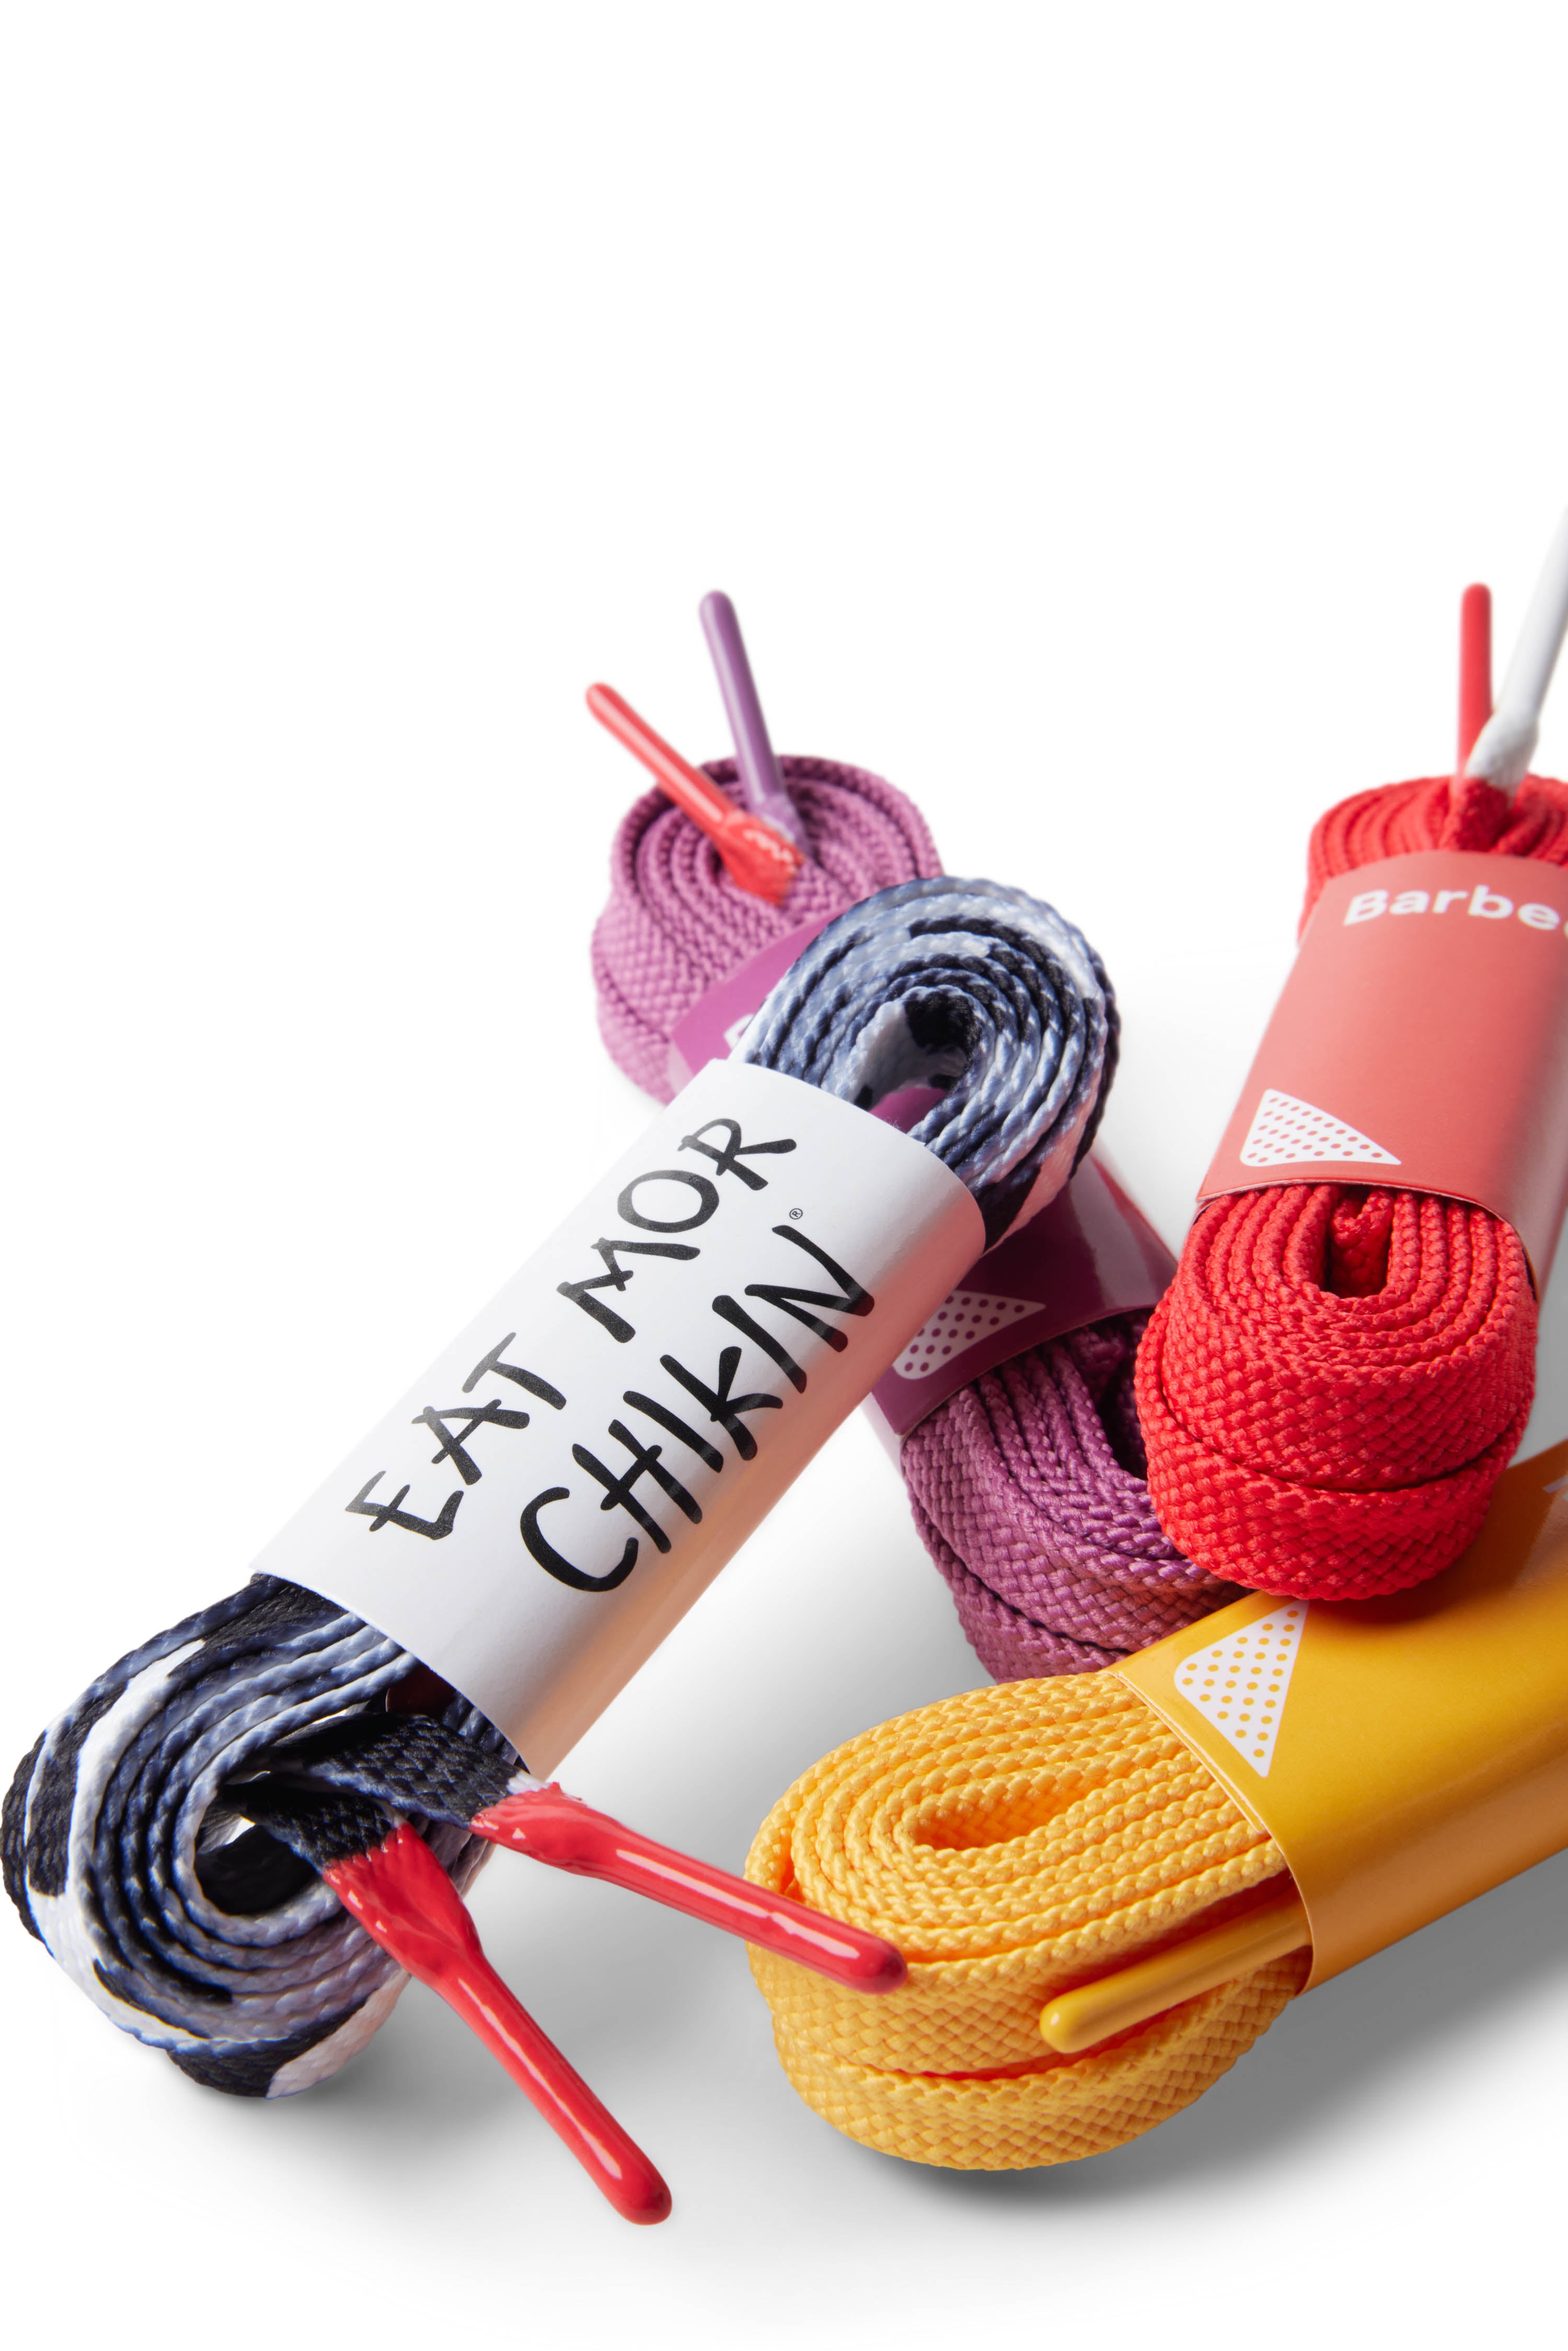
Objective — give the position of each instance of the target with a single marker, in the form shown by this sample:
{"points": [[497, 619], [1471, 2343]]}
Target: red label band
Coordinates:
{"points": [[1421, 1041]]}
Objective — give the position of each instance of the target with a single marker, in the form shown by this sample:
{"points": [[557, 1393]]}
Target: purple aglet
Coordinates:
{"points": [[761, 781]]}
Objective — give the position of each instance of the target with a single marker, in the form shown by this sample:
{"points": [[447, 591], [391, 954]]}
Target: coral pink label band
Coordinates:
{"points": [[1421, 1040]]}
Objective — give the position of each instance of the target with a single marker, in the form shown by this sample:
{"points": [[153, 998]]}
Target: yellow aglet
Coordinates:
{"points": [[1093, 2012]]}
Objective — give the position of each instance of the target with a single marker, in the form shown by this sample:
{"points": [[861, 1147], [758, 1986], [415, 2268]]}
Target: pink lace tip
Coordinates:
{"points": [[760, 859], [754, 853]]}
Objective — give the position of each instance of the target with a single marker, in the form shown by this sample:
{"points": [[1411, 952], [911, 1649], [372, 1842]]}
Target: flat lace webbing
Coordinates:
{"points": [[1028, 1492], [120, 1855], [677, 922], [1339, 1372], [1012, 1841], [226, 1950], [975, 989]]}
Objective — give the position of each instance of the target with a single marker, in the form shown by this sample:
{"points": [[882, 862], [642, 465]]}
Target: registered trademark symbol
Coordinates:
{"points": [[796, 1215]]}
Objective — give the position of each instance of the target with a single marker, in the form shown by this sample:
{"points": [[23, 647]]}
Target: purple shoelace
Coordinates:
{"points": [[1027, 1487], [676, 921], [1028, 1490]]}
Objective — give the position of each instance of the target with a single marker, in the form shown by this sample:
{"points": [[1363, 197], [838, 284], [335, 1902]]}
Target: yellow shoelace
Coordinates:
{"points": [[1013, 1842]]}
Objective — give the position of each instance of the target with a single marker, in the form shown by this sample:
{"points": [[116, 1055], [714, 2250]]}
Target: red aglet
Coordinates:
{"points": [[753, 852], [553, 1827], [1475, 669], [403, 1898]]}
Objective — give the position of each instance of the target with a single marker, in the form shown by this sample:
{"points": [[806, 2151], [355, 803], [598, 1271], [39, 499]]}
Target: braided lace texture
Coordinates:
{"points": [[677, 922], [1028, 1490], [1339, 1374], [1012, 1841], [225, 1949], [975, 988], [119, 1852]]}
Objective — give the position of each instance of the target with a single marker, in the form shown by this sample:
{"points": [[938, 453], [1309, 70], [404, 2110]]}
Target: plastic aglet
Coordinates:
{"points": [[1503, 750], [754, 854], [1475, 669], [403, 1898], [551, 1826], [1093, 2012], [761, 778]]}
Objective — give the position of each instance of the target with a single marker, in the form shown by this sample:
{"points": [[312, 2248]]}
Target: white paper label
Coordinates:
{"points": [[569, 1474]]}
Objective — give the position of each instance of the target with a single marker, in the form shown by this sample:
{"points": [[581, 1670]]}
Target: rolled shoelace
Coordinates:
{"points": [[119, 1853], [678, 923], [1340, 1373], [125, 1839], [977, 990], [1027, 1488], [1014, 1842]]}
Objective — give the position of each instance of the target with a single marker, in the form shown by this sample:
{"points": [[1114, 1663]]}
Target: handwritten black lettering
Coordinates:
{"points": [[620, 1491], [708, 1201], [727, 1161], [492, 1364], [720, 1404], [728, 1310], [616, 1277], [851, 1300], [454, 1448], [393, 1514], [677, 1426], [541, 1548]]}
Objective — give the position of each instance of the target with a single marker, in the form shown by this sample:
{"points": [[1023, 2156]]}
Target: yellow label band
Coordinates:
{"points": [[1406, 1754]]}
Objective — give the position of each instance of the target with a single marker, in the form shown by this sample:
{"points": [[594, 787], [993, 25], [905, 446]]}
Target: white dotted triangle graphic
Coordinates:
{"points": [[964, 1316], [1286, 1132], [1239, 1684]]}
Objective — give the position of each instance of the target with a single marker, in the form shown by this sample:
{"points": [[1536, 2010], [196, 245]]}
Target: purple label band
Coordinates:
{"points": [[711, 1030], [1089, 1254]]}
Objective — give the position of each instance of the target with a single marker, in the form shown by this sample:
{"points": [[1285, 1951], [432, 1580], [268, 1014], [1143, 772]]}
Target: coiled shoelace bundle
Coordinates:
{"points": [[1028, 1487], [678, 923], [227, 1950], [1013, 1841], [1340, 1373], [119, 1853]]}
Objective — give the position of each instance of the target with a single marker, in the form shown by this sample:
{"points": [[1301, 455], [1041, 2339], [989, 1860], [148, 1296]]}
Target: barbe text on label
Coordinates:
{"points": [[1491, 906]]}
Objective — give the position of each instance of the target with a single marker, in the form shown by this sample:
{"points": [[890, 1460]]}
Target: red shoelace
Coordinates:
{"points": [[1339, 1374]]}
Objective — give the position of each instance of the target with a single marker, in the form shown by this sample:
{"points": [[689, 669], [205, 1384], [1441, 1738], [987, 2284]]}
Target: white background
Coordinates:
{"points": [[1095, 414]]}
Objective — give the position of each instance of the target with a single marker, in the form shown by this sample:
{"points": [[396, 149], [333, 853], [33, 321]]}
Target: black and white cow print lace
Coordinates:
{"points": [[171, 1837], [981, 992], [203, 1936]]}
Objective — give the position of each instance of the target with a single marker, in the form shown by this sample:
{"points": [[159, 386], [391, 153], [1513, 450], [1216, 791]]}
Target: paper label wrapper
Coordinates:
{"points": [[1406, 1754], [1088, 1253], [1421, 1040], [553, 1494]]}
